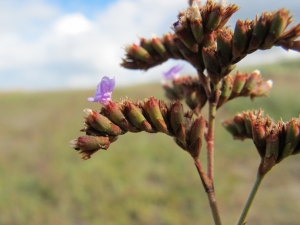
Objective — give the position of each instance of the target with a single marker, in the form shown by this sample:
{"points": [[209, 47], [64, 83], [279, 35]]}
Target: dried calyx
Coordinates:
{"points": [[201, 38], [151, 115], [238, 85], [274, 141]]}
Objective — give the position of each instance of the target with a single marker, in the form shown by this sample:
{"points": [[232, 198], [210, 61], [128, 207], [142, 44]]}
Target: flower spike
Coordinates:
{"points": [[103, 91], [173, 73]]}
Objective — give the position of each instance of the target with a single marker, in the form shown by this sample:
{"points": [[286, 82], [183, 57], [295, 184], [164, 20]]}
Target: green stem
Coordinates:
{"points": [[210, 139], [214, 207], [210, 142], [209, 189], [251, 197]]}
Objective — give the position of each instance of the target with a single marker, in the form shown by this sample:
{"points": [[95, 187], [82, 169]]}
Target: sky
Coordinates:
{"points": [[71, 44]]}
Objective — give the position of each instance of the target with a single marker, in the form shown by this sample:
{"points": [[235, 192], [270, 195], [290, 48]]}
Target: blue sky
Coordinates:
{"points": [[56, 44], [89, 7]]}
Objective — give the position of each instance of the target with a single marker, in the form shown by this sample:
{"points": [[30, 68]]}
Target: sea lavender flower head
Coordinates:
{"points": [[173, 73], [103, 91]]}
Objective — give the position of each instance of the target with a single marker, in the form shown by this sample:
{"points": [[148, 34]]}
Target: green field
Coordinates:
{"points": [[142, 178]]}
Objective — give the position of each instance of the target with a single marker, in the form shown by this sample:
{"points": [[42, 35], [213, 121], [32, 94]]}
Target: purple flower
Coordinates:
{"points": [[173, 73], [103, 91]]}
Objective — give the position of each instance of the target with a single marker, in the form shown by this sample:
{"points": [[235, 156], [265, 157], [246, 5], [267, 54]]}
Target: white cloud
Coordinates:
{"points": [[42, 47], [74, 24]]}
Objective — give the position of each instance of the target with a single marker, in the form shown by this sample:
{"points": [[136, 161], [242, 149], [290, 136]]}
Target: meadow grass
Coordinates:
{"points": [[142, 178]]}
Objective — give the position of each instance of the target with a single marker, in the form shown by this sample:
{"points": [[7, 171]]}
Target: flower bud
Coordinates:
{"points": [[211, 63], [194, 16], [88, 145], [249, 123], [238, 84], [292, 138], [214, 19], [209, 40], [135, 116], [196, 137], [138, 52], [279, 22], [113, 112], [240, 123], [259, 136], [227, 12], [272, 150], [147, 45], [158, 46], [177, 120], [224, 38], [229, 125], [261, 89], [184, 34], [168, 41], [101, 123], [272, 145], [241, 38], [259, 32], [252, 81], [226, 89], [152, 108]]}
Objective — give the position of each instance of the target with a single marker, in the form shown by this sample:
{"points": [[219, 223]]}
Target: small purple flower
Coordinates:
{"points": [[173, 73], [177, 23], [103, 91]]}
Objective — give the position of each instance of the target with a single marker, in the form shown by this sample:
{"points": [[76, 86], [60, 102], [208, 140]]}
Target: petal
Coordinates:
{"points": [[176, 69], [91, 99], [173, 73], [104, 91], [107, 85]]}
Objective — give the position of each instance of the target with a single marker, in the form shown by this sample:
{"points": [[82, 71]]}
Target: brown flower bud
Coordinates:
{"points": [[292, 137], [241, 37], [151, 106], [196, 137], [226, 89], [214, 19], [135, 116], [229, 125], [114, 113], [101, 123], [224, 38], [88, 145], [212, 65], [240, 123], [177, 121], [252, 81], [259, 136], [194, 16], [138, 52], [168, 41], [146, 44], [182, 31], [158, 46], [280, 21], [260, 31], [238, 84]]}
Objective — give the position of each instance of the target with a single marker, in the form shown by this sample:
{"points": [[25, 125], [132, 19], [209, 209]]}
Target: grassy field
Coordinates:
{"points": [[142, 178]]}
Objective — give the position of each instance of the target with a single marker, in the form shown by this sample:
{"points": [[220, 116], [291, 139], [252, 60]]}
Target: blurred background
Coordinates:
{"points": [[52, 56]]}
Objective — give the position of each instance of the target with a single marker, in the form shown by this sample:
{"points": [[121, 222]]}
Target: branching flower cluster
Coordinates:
{"points": [[202, 38]]}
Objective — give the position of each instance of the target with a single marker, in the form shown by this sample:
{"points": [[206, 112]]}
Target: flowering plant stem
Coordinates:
{"points": [[207, 180], [209, 189], [251, 197], [210, 140]]}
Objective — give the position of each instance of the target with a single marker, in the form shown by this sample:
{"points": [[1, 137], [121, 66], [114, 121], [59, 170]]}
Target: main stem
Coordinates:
{"points": [[209, 189], [251, 197], [210, 140]]}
